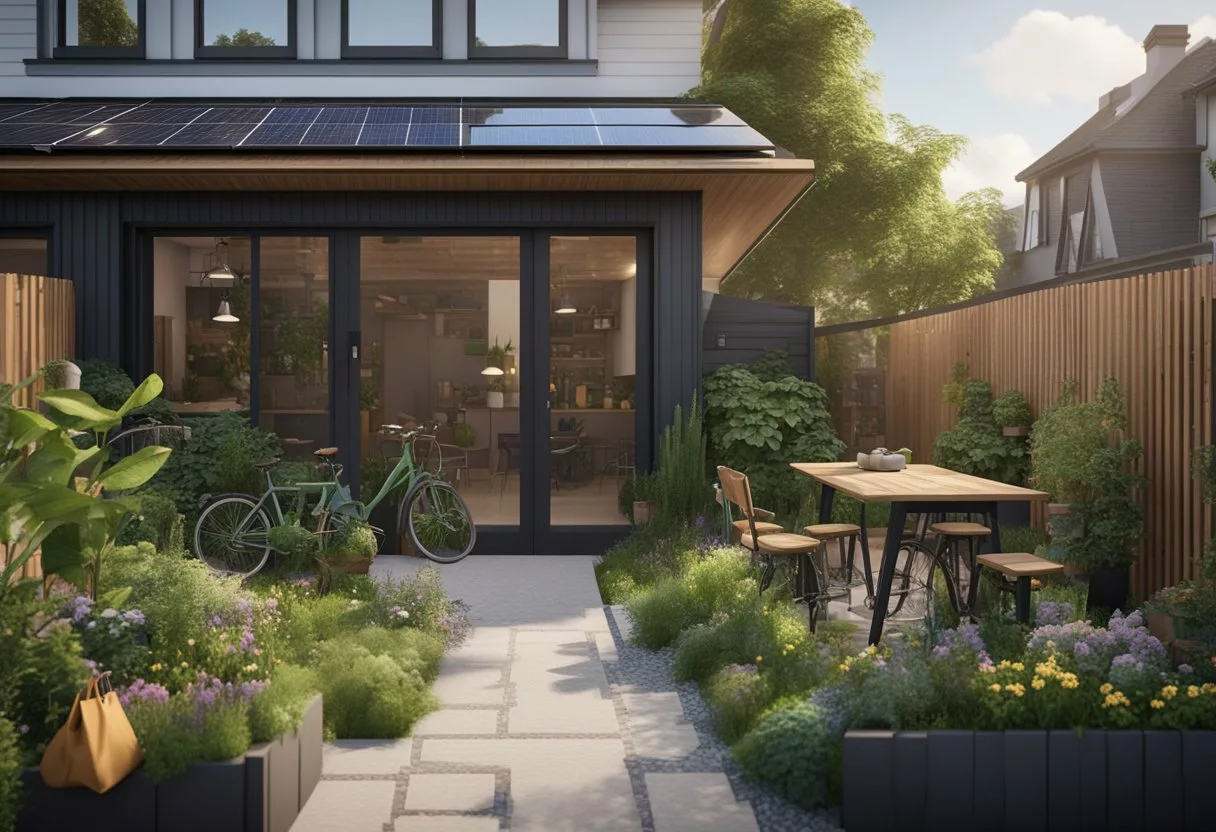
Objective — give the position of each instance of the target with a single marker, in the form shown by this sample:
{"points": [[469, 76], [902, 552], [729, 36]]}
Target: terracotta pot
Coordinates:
{"points": [[1016, 431], [644, 512], [353, 566]]}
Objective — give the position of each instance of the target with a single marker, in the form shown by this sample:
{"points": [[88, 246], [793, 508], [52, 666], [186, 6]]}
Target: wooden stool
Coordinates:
{"points": [[1020, 567], [840, 532], [951, 535]]}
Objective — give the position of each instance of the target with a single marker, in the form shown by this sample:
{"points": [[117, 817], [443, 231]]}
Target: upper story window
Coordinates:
{"points": [[100, 29], [392, 28], [244, 29], [518, 28]]}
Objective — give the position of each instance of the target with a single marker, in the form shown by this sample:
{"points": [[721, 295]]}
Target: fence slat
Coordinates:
{"points": [[37, 325]]}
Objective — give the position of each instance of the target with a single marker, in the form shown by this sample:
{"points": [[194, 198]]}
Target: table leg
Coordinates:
{"points": [[1023, 600], [886, 572], [826, 494], [866, 569], [993, 547]]}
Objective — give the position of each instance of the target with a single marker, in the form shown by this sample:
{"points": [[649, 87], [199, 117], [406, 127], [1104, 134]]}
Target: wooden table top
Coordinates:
{"points": [[916, 483]]}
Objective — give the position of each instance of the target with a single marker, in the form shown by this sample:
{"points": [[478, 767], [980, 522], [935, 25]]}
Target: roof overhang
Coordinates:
{"points": [[742, 197]]}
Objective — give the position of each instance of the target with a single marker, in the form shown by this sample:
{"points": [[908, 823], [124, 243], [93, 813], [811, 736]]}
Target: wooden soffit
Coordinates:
{"points": [[741, 197]]}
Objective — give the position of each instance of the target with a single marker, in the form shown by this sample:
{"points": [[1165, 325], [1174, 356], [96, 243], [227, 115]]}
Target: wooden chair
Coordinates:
{"points": [[1022, 568], [842, 575], [810, 584]]}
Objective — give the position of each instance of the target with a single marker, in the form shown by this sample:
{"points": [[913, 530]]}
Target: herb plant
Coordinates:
{"points": [[976, 444]]}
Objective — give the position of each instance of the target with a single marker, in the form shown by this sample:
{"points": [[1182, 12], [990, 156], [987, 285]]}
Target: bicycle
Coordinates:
{"points": [[232, 534]]}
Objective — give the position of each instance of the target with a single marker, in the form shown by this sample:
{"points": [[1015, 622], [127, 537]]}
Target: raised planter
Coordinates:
{"points": [[1058, 780], [260, 791]]}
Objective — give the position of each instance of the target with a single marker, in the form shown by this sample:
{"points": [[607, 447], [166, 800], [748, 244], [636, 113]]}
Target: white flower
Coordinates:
{"points": [[354, 602], [403, 613], [110, 613]]}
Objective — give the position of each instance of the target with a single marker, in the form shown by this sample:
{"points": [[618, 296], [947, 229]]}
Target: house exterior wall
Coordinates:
{"points": [[1206, 128], [617, 49], [1153, 200]]}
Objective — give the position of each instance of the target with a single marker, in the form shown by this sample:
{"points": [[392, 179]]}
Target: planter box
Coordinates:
{"points": [[261, 791], [1057, 780]]}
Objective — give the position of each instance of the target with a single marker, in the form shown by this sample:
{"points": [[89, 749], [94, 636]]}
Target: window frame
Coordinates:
{"points": [[432, 52], [210, 52], [60, 49], [559, 52]]}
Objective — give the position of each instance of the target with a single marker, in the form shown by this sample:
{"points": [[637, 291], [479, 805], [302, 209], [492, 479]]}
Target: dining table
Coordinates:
{"points": [[914, 490]]}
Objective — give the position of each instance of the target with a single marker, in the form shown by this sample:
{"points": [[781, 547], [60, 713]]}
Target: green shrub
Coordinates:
{"points": [[680, 484], [737, 696], [369, 696], [1011, 410], [354, 540], [791, 749], [759, 426], [296, 546], [178, 733], [417, 602], [110, 386], [158, 522], [721, 582], [977, 446], [279, 707], [10, 776], [643, 558], [412, 650]]}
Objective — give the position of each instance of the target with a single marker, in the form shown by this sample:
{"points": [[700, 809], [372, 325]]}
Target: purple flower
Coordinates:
{"points": [[741, 670], [272, 604], [966, 636], [247, 640], [134, 617], [23, 729], [231, 649], [79, 608], [216, 622], [1185, 669], [141, 691], [1051, 612]]}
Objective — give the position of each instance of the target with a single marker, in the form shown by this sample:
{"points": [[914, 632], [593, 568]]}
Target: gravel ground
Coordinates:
{"points": [[646, 671]]}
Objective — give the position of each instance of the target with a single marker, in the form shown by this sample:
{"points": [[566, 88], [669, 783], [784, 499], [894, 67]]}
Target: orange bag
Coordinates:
{"points": [[96, 748]]}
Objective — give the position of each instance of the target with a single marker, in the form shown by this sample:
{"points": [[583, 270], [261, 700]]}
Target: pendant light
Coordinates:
{"points": [[220, 273], [491, 370], [224, 315], [565, 306]]}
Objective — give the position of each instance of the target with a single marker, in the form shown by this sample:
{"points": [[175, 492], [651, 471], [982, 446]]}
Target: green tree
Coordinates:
{"points": [[244, 37], [105, 23], [877, 235]]}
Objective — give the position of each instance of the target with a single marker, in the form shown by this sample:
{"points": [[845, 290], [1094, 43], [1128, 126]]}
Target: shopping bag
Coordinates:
{"points": [[96, 748]]}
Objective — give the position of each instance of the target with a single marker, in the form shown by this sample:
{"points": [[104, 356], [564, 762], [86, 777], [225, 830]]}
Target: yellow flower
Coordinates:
{"points": [[915, 643], [1192, 691], [1038, 684], [185, 664], [1018, 666], [1016, 689], [1169, 691], [759, 659], [1051, 645], [994, 688], [844, 667], [1106, 688], [156, 667], [871, 650], [1004, 665], [190, 641], [1070, 682], [1157, 704]]}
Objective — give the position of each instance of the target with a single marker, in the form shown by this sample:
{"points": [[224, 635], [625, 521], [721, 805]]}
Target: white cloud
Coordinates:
{"points": [[1048, 57], [1204, 27], [990, 162]]}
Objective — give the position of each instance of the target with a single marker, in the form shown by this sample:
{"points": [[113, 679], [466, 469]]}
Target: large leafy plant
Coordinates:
{"points": [[760, 426], [977, 446], [59, 498]]}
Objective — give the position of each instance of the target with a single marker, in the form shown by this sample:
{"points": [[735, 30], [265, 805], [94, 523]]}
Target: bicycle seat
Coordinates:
{"points": [[325, 452], [266, 463]]}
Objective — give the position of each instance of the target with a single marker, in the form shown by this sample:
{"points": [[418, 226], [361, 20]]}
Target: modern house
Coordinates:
{"points": [[1127, 191], [334, 214]]}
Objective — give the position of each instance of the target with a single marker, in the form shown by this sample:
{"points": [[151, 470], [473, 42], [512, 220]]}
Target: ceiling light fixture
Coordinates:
{"points": [[224, 315], [492, 371], [565, 306], [220, 273]]}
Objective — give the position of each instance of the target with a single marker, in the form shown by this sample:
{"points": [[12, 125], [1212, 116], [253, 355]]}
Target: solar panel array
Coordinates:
{"points": [[143, 125]]}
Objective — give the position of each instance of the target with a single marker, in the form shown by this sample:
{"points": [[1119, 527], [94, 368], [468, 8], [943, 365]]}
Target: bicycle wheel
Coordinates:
{"points": [[438, 522], [231, 536]]}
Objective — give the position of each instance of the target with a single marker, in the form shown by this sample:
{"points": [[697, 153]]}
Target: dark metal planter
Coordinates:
{"points": [[1108, 589], [261, 791], [1051, 780]]}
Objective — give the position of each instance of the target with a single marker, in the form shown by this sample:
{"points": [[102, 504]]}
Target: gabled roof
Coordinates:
{"points": [[1159, 120]]}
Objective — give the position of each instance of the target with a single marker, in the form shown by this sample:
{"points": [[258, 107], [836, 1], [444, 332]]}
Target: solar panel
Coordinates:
{"points": [[533, 136], [390, 125], [202, 134], [385, 135]]}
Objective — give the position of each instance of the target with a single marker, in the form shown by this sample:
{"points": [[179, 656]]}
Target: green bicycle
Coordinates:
{"points": [[232, 534]]}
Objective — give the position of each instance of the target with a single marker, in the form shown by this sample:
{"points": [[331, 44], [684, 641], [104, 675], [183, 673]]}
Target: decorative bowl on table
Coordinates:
{"points": [[880, 459]]}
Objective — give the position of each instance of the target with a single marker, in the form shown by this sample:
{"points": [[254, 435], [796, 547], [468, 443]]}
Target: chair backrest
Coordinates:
{"points": [[737, 491]]}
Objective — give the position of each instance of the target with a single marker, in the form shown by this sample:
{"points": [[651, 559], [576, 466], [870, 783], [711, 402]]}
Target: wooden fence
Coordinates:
{"points": [[1153, 332], [37, 325]]}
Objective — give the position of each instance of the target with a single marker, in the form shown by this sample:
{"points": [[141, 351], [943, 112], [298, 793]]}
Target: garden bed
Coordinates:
{"points": [[261, 791], [1059, 780]]}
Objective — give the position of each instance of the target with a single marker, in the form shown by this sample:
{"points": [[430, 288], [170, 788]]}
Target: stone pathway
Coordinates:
{"points": [[538, 732]]}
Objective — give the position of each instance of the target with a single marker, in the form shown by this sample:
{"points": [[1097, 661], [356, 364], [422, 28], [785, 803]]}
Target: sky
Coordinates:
{"points": [[1015, 77]]}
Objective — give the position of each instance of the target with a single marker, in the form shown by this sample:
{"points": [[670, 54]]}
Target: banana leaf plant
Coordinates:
{"points": [[63, 499]]}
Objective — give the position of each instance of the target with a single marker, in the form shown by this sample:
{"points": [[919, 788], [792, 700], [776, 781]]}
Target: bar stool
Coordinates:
{"points": [[952, 536], [810, 579], [842, 576]]}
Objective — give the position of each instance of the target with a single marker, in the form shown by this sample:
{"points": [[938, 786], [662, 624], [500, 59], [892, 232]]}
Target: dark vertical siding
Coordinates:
{"points": [[1051, 212], [750, 327], [89, 229], [1153, 200]]}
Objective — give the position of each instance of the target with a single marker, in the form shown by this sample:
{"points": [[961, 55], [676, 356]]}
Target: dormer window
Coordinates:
{"points": [[392, 29], [100, 29], [237, 29], [518, 28]]}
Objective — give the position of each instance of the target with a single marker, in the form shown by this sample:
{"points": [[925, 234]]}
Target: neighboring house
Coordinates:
{"points": [[329, 216], [1122, 193]]}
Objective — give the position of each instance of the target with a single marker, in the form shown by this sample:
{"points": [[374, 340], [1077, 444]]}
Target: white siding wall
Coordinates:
{"points": [[1207, 138], [18, 36], [645, 48]]}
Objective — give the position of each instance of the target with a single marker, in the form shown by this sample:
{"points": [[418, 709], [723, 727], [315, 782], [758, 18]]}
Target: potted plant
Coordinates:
{"points": [[495, 396], [1012, 413], [1081, 457], [975, 445], [61, 375], [351, 548], [464, 435], [644, 507]]}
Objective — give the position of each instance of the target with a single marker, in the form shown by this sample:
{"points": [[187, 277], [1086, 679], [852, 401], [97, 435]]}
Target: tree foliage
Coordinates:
{"points": [[877, 235], [105, 23], [244, 37]]}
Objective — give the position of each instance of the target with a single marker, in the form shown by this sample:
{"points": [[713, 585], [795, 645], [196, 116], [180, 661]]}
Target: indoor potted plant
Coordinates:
{"points": [[495, 395], [1080, 457], [1012, 413], [464, 435], [642, 490]]}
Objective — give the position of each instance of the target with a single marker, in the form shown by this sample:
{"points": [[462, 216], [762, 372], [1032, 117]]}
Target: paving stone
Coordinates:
{"points": [[462, 721], [623, 622], [666, 704], [349, 806], [365, 756], [450, 793], [560, 689], [469, 684], [574, 785], [445, 823], [695, 803], [664, 741], [605, 645]]}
